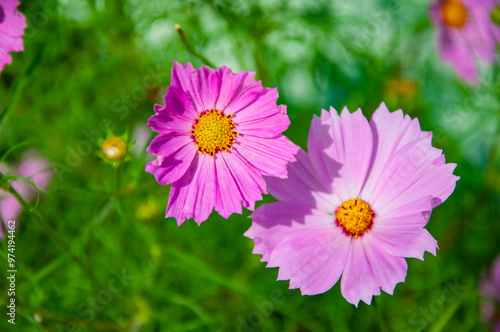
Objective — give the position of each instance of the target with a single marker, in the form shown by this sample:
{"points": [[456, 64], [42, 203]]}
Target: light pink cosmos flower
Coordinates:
{"points": [[220, 132], [466, 33], [356, 205], [489, 288], [32, 167], [12, 25]]}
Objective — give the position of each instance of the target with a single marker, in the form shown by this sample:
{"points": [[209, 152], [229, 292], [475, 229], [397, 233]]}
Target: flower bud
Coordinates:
{"points": [[114, 148]]}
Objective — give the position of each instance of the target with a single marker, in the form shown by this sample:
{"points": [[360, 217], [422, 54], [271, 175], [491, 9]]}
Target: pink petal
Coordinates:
{"points": [[168, 144], [34, 168], [5, 59], [179, 103], [209, 84], [229, 196], [313, 261], [165, 122], [411, 174], [11, 31], [249, 181], [319, 141], [267, 218], [10, 209], [311, 251], [269, 125], [193, 195], [341, 149], [455, 47], [257, 104], [141, 136], [387, 142], [282, 213], [304, 186], [175, 154], [489, 287], [400, 232], [193, 83], [406, 167], [369, 269], [479, 33], [269, 155], [456, 51], [233, 87], [14, 22]]}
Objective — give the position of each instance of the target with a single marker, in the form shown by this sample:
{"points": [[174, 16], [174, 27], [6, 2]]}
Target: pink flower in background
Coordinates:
{"points": [[33, 167], [356, 205], [466, 33], [220, 132], [12, 25], [141, 135], [489, 288]]}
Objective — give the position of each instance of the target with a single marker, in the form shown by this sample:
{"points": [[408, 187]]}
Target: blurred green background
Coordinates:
{"points": [[91, 63]]}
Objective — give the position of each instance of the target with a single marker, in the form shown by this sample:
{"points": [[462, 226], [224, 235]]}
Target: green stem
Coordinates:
{"points": [[20, 83], [117, 182], [380, 318], [190, 48], [116, 193], [64, 246], [54, 237]]}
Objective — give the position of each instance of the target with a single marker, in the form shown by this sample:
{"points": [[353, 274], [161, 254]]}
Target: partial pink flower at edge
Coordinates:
{"points": [[12, 25], [33, 167], [489, 289], [466, 33]]}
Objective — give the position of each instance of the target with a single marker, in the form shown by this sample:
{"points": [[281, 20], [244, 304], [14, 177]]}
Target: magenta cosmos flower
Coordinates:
{"points": [[355, 205], [466, 32], [12, 25], [32, 167], [489, 288], [219, 133]]}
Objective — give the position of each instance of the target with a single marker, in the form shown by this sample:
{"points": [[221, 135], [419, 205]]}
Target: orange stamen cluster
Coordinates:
{"points": [[213, 132], [454, 13], [355, 216]]}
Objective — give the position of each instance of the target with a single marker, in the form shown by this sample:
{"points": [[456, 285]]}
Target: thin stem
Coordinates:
{"points": [[54, 237], [20, 83], [64, 246], [117, 182], [116, 193], [190, 48], [380, 318]]}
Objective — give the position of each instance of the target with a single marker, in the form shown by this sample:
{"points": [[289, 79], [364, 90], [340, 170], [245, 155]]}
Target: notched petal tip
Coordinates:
{"points": [[282, 109]]}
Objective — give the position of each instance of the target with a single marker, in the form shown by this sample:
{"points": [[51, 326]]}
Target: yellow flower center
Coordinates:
{"points": [[114, 148], [454, 13], [355, 216], [213, 132]]}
